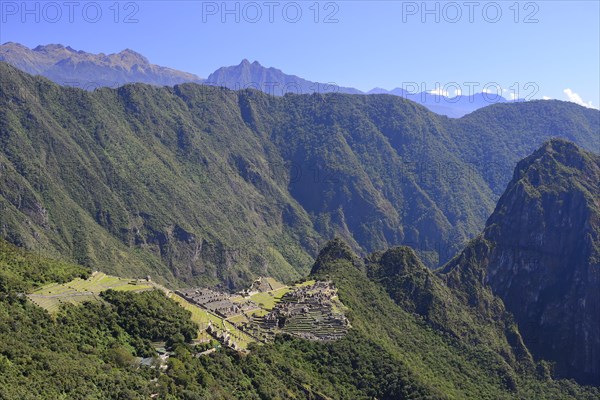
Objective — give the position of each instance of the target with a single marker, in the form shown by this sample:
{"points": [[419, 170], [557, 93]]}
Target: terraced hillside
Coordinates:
{"points": [[51, 296], [309, 309], [312, 311], [89, 348]]}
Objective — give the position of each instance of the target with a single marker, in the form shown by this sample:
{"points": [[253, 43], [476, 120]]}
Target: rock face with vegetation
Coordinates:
{"points": [[545, 256], [450, 302], [205, 185]]}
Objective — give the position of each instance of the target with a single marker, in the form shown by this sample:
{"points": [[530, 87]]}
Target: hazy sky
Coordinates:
{"points": [[551, 48]]}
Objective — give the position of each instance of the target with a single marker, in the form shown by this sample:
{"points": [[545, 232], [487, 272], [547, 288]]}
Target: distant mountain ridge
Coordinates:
{"points": [[69, 67], [454, 107], [272, 81]]}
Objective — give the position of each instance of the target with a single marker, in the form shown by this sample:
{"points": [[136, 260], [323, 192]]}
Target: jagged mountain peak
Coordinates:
{"points": [[543, 256], [49, 47], [246, 62], [396, 260], [270, 80]]}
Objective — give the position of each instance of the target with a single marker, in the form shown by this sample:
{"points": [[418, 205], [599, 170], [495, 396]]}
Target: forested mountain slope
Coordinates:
{"points": [[202, 184]]}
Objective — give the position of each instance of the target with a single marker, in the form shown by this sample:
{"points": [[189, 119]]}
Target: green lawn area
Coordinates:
{"points": [[52, 304], [275, 284], [258, 313], [237, 298], [267, 300], [132, 288], [50, 297], [307, 283], [199, 316]]}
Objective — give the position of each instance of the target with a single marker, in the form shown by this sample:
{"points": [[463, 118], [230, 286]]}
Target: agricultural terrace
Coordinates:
{"points": [[50, 297]]}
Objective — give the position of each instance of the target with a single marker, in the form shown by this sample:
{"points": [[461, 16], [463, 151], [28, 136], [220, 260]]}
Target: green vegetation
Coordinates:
{"points": [[79, 290], [267, 300], [430, 355], [204, 185], [21, 271], [540, 252], [138, 315], [202, 318], [464, 309], [100, 286], [87, 351]]}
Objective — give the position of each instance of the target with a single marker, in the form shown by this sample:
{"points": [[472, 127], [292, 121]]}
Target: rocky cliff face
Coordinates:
{"points": [[545, 259]]}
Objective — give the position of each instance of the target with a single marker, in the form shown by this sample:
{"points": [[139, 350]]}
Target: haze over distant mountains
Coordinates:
{"points": [[248, 75], [67, 66], [70, 67]]}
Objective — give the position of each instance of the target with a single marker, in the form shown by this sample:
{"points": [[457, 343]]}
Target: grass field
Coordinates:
{"points": [[274, 283], [238, 319], [267, 300], [50, 297], [52, 304], [258, 312], [306, 283]]}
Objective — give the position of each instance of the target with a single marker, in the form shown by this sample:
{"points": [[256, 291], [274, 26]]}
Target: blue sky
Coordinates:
{"points": [[540, 48]]}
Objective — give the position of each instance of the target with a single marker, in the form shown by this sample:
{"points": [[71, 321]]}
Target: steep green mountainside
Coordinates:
{"points": [[200, 184], [84, 352], [480, 320], [87, 351], [401, 313], [137, 183], [541, 254], [22, 271]]}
